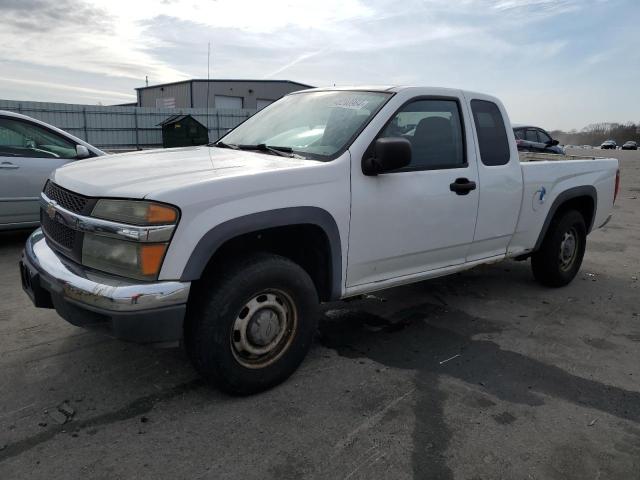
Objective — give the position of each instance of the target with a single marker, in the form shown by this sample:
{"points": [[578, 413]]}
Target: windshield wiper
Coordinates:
{"points": [[224, 145], [261, 147]]}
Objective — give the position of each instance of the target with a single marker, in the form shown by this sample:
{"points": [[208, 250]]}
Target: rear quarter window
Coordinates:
{"points": [[492, 135]]}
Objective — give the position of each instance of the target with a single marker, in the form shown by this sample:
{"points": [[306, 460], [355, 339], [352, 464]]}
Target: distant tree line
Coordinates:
{"points": [[596, 133]]}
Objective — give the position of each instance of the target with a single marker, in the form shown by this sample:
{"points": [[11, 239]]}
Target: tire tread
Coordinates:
{"points": [[206, 330]]}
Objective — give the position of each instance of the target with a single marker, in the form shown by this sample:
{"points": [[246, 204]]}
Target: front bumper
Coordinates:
{"points": [[141, 312]]}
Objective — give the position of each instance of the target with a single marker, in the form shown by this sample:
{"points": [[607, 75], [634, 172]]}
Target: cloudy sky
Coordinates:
{"points": [[556, 63]]}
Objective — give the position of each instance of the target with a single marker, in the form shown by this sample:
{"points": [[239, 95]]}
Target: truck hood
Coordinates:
{"points": [[138, 174]]}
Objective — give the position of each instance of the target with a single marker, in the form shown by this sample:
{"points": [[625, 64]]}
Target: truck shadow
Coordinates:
{"points": [[15, 237], [422, 337]]}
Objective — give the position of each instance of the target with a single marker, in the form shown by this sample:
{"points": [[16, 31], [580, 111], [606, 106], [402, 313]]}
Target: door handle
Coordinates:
{"points": [[8, 166], [462, 186]]}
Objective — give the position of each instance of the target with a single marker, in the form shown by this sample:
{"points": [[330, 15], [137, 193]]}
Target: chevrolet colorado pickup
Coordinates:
{"points": [[323, 195]]}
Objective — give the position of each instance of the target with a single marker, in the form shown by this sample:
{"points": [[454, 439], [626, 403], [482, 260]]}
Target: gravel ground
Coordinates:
{"points": [[483, 374]]}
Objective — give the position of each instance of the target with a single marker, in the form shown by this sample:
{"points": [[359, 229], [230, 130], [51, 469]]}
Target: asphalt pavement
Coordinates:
{"points": [[481, 375]]}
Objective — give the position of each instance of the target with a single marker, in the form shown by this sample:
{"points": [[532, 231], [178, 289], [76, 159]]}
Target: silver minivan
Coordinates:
{"points": [[29, 151]]}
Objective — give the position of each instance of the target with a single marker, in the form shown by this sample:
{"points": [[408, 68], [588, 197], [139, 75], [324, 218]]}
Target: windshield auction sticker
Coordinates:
{"points": [[352, 103]]}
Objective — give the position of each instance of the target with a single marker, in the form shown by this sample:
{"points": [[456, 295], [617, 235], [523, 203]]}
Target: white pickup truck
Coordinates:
{"points": [[323, 195]]}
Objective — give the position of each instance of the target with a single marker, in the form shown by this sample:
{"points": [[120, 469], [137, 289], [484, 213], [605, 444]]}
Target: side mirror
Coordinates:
{"points": [[388, 154], [82, 152], [554, 142]]}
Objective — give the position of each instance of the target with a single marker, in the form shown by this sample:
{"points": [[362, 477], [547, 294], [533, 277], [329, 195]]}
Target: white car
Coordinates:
{"points": [[29, 151], [230, 247]]}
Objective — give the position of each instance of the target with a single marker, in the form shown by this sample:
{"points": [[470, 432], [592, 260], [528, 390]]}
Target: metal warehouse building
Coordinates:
{"points": [[222, 94]]}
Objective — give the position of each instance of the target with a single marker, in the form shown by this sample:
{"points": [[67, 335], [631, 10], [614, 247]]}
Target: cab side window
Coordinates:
{"points": [[492, 136], [24, 139], [434, 129], [532, 135]]}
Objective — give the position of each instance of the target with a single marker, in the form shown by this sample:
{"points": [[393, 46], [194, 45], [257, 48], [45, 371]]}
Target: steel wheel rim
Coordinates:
{"points": [[568, 249], [263, 328]]}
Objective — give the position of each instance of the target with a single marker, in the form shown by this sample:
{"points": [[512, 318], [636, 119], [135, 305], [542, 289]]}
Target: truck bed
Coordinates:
{"points": [[542, 157], [546, 176]]}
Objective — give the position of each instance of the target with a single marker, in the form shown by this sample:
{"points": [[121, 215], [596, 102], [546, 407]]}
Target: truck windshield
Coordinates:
{"points": [[317, 125]]}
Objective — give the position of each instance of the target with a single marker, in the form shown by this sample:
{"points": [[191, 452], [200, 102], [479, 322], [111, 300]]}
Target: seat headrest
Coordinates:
{"points": [[433, 129]]}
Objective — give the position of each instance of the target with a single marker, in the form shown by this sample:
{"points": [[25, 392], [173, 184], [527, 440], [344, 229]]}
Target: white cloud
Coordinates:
{"points": [[301, 58], [101, 50], [112, 38], [70, 88], [77, 35], [257, 16]]}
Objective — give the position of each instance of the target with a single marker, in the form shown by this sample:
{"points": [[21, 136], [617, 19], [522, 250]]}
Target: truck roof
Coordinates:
{"points": [[367, 88], [379, 88]]}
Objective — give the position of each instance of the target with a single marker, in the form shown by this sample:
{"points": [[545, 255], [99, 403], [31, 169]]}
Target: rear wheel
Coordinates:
{"points": [[250, 327], [560, 256]]}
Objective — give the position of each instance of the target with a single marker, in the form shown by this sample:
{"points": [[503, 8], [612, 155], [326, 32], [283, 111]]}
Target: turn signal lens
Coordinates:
{"points": [[151, 258], [161, 214]]}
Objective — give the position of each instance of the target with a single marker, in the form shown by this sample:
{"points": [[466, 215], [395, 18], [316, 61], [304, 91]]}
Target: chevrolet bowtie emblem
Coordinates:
{"points": [[51, 209]]}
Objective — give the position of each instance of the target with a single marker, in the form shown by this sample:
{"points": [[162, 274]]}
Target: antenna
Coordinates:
{"points": [[146, 80], [208, 84]]}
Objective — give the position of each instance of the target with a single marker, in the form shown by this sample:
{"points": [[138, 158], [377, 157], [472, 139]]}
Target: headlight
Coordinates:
{"points": [[141, 261], [135, 212], [133, 246]]}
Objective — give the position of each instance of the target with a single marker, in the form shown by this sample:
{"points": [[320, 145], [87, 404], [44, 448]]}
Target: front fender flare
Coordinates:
{"points": [[217, 236]]}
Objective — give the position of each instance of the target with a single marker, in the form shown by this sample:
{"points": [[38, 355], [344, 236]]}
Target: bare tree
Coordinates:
{"points": [[596, 133]]}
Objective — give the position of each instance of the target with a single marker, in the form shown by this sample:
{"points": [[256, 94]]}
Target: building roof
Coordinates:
{"points": [[175, 119], [213, 80]]}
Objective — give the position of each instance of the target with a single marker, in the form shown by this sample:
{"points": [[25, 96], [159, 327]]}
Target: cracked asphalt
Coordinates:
{"points": [[481, 375]]}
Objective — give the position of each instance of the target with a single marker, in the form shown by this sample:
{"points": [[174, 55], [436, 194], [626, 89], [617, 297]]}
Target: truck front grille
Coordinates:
{"points": [[71, 201], [61, 237], [59, 233]]}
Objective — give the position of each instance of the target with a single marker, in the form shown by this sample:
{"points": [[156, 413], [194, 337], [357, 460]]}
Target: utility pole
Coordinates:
{"points": [[208, 83]]}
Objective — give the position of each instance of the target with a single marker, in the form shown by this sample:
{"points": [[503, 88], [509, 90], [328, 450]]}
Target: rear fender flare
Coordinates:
{"points": [[563, 197]]}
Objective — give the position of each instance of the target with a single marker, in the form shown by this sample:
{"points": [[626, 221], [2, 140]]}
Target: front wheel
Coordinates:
{"points": [[560, 256], [251, 325]]}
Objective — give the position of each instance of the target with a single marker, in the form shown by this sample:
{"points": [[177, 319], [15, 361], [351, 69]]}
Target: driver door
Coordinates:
{"points": [[28, 155], [410, 221]]}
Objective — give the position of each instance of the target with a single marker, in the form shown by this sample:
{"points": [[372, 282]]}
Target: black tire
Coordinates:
{"points": [[554, 265], [218, 338]]}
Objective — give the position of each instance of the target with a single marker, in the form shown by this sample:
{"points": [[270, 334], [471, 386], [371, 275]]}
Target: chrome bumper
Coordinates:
{"points": [[94, 290]]}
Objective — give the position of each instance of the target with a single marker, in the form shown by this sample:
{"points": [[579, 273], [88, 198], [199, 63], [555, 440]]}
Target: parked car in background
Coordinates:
{"points": [[29, 151], [535, 139], [630, 145], [609, 145]]}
